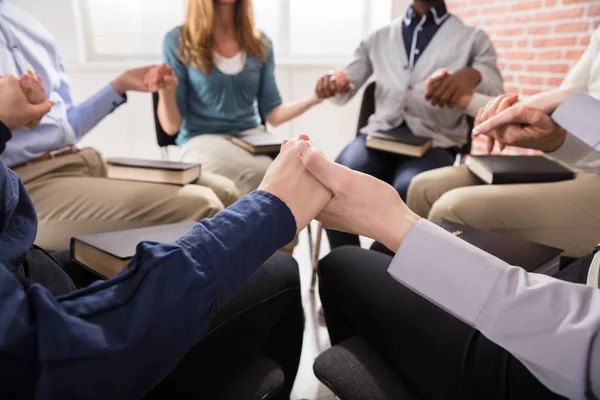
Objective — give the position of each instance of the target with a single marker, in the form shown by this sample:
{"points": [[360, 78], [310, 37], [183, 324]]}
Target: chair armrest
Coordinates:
{"points": [[354, 371]]}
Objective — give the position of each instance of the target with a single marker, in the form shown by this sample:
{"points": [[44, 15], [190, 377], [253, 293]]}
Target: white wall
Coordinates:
{"points": [[130, 130]]}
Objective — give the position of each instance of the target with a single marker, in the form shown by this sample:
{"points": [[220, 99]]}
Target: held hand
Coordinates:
{"points": [[15, 110], [334, 82], [525, 127], [287, 179], [33, 87], [162, 78], [452, 89], [492, 108], [361, 204], [547, 102], [134, 80]]}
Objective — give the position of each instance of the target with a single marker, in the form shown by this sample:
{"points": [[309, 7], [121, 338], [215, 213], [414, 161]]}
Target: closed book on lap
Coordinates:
{"points": [[132, 169], [518, 169], [531, 256], [257, 142], [107, 254], [399, 141]]}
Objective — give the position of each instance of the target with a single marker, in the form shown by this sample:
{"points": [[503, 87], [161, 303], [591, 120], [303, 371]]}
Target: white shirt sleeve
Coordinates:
{"points": [[551, 326], [579, 116]]}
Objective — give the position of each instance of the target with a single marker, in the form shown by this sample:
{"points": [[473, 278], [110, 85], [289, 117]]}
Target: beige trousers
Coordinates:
{"points": [[561, 214], [72, 197], [218, 155]]}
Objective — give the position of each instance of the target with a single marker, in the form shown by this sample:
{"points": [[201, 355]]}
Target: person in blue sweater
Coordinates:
{"points": [[221, 81], [180, 320]]}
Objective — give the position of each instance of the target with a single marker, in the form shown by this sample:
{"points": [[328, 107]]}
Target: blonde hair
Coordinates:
{"points": [[197, 40]]}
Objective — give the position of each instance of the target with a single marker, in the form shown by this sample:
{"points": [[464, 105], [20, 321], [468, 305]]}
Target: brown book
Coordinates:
{"points": [[497, 170], [531, 256], [107, 254], [258, 143], [132, 169], [399, 141]]}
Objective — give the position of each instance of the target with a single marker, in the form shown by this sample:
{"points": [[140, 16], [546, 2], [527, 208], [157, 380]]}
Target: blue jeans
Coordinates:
{"points": [[395, 169]]}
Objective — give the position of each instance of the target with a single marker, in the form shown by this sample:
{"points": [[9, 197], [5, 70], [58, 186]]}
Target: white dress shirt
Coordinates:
{"points": [[551, 326]]}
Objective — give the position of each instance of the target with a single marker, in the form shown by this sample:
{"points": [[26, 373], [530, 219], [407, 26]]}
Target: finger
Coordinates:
{"points": [[512, 115], [303, 137], [490, 142], [436, 78], [445, 85], [501, 146], [446, 97], [507, 102], [327, 172], [478, 119], [491, 107]]}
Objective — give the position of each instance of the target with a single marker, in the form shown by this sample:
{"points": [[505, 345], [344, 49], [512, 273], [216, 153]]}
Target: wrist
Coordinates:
{"points": [[314, 100], [475, 76], [394, 228], [118, 86], [561, 137]]}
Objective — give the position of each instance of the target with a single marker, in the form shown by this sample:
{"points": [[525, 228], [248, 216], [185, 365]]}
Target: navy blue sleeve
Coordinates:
{"points": [[118, 338], [5, 136]]}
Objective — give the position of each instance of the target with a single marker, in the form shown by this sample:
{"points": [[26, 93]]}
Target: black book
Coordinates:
{"points": [[399, 141], [106, 254], [518, 169], [172, 172], [258, 143], [533, 257]]}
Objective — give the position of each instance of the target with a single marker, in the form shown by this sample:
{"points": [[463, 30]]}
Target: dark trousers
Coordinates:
{"points": [[264, 317], [436, 355], [397, 170]]}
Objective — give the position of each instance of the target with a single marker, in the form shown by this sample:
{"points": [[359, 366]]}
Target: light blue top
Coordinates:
{"points": [[221, 103], [26, 44]]}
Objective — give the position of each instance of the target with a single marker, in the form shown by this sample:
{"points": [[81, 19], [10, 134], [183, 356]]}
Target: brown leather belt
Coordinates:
{"points": [[64, 151]]}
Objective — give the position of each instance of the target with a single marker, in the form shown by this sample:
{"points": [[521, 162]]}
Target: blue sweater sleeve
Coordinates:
{"points": [[118, 338], [268, 92]]}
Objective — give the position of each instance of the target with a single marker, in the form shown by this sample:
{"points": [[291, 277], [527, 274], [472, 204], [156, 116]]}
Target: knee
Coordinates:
{"points": [[229, 193], [254, 174], [460, 206], [201, 203], [284, 268], [419, 196]]}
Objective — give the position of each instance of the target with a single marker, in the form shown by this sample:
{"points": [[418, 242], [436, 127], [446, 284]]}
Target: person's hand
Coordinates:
{"points": [[492, 108], [521, 126], [452, 89], [361, 204], [135, 80], [335, 82], [547, 102], [287, 179], [15, 110], [162, 78], [33, 87]]}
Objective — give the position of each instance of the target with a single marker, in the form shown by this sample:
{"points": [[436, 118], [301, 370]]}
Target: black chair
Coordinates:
{"points": [[352, 370], [163, 139]]}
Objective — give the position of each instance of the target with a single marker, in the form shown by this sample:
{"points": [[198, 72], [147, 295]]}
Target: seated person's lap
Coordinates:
{"points": [[219, 155], [426, 346], [559, 214]]}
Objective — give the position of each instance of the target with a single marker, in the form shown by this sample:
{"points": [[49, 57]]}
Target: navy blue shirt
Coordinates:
{"points": [[418, 32], [5, 136], [116, 339]]}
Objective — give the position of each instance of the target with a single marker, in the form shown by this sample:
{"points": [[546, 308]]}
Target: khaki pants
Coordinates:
{"points": [[72, 197], [218, 155], [561, 214]]}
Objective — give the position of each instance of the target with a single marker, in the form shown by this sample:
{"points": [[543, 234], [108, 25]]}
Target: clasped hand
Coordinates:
{"points": [[314, 187], [23, 101]]}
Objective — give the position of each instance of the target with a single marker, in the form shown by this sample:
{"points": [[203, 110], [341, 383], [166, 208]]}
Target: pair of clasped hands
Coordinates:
{"points": [[24, 101]]}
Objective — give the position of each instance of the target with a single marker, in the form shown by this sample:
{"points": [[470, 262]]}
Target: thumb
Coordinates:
{"points": [[315, 162], [42, 108]]}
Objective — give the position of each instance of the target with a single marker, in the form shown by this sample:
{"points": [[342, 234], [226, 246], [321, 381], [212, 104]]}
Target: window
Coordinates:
{"points": [[299, 29]]}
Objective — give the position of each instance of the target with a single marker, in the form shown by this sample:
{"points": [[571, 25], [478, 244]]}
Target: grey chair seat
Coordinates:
{"points": [[262, 379], [352, 370]]}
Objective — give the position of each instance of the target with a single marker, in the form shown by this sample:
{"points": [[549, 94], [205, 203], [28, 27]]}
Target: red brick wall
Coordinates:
{"points": [[537, 41]]}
